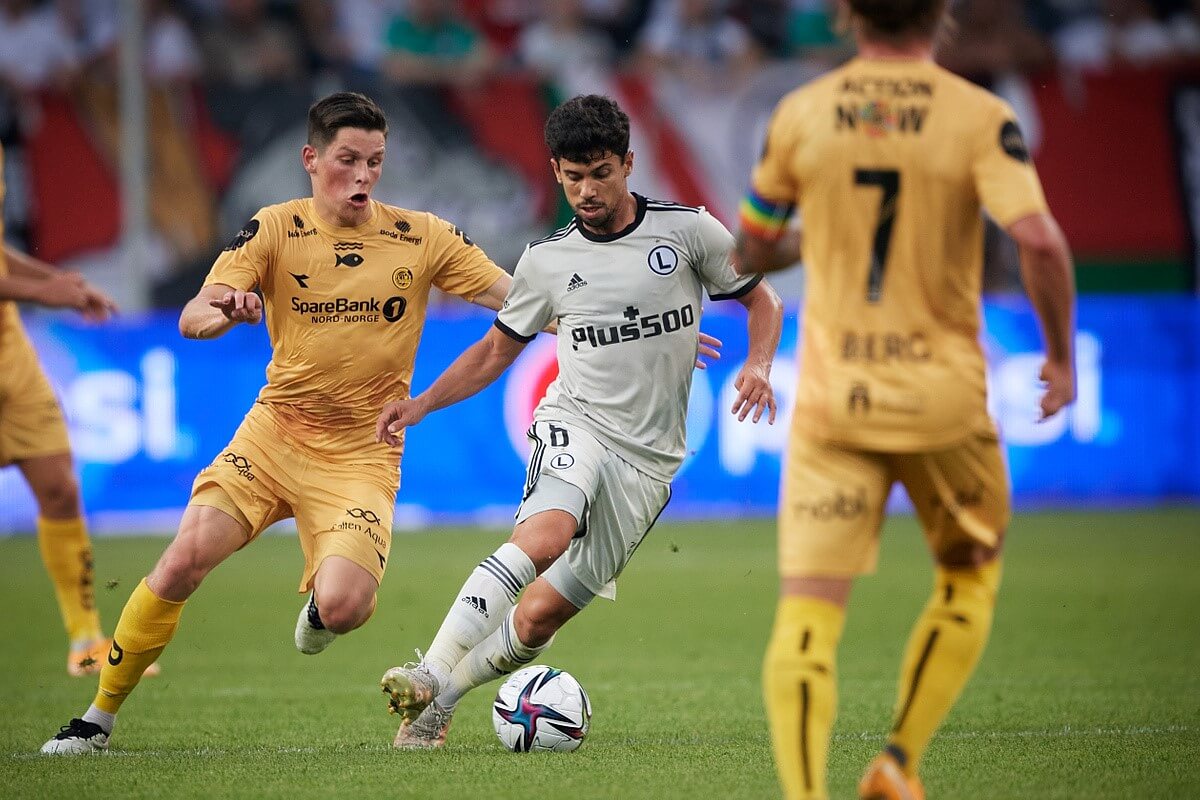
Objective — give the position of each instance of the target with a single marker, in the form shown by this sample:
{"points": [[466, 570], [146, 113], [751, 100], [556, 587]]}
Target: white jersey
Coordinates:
{"points": [[628, 309]]}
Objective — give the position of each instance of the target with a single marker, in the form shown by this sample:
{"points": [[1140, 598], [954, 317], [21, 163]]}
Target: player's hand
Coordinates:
{"points": [[710, 348], [62, 290], [754, 393], [239, 306], [1059, 379], [97, 305], [395, 417]]}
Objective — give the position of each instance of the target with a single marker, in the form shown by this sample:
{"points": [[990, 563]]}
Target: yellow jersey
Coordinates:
{"points": [[344, 309], [889, 164]]}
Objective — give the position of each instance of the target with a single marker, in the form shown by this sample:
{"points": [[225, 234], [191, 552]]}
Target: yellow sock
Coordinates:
{"points": [[942, 652], [800, 692], [146, 626], [67, 554]]}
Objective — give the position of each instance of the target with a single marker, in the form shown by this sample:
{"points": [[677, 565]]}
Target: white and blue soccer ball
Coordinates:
{"points": [[541, 709]]}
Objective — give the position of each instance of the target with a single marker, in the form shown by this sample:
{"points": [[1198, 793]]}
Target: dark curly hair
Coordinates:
{"points": [[892, 19], [587, 128], [340, 110]]}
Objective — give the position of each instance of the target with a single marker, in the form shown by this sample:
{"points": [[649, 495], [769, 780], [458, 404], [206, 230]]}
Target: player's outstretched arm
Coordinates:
{"points": [[1049, 279], [476, 368], [493, 296], [216, 309], [765, 322], [34, 281], [755, 254]]}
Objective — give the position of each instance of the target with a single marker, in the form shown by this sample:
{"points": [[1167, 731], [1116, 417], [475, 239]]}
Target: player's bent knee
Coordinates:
{"points": [[538, 618], [207, 536], [177, 575], [968, 555], [342, 613], [544, 537], [833, 590]]}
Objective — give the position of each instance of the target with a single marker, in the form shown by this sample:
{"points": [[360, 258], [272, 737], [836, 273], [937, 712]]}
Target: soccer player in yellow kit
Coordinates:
{"points": [[345, 281], [33, 436], [889, 161]]}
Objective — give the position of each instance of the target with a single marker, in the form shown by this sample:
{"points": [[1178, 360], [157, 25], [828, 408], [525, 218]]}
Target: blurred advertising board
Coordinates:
{"points": [[148, 409]]}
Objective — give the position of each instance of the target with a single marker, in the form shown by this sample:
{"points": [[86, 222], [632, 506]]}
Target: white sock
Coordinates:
{"points": [[102, 718], [482, 603], [498, 655]]}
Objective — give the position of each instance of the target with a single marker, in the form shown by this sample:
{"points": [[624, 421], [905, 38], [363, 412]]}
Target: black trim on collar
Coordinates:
{"points": [[628, 229], [561, 233]]}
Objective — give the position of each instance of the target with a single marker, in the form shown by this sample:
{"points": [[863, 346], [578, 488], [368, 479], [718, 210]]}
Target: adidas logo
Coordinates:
{"points": [[576, 282], [477, 603]]}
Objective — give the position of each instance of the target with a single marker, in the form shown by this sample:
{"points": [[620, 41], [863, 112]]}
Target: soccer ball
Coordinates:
{"points": [[541, 708]]}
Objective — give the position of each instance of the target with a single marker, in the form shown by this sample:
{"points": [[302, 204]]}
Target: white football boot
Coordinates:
{"points": [[77, 739]]}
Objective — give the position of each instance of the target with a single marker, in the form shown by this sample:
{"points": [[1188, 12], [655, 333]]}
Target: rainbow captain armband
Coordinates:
{"points": [[764, 218]]}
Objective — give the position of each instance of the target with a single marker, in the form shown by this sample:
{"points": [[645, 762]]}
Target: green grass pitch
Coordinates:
{"points": [[1090, 687]]}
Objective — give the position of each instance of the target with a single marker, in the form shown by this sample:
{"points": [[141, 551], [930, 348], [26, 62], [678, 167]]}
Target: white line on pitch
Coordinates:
{"points": [[1053, 733]]}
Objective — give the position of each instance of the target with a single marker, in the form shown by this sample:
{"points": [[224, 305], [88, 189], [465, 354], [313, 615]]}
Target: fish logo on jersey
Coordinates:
{"points": [[350, 259]]}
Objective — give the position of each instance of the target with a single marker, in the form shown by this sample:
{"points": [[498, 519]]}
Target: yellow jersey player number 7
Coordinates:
{"points": [[889, 162]]}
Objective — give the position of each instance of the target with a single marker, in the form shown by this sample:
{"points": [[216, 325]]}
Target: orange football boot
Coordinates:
{"points": [[884, 780]]}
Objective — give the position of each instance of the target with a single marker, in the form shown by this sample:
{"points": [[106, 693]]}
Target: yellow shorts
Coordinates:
{"points": [[342, 507], [832, 502], [31, 420]]}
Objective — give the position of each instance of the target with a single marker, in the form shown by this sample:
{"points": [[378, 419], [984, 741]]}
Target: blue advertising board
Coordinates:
{"points": [[148, 409]]}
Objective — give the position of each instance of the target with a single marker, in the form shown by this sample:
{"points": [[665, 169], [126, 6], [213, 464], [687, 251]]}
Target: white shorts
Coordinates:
{"points": [[621, 505]]}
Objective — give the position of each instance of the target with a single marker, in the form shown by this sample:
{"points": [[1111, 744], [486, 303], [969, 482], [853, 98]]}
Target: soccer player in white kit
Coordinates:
{"points": [[624, 281]]}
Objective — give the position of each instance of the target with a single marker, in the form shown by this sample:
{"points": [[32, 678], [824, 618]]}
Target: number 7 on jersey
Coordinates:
{"points": [[889, 181]]}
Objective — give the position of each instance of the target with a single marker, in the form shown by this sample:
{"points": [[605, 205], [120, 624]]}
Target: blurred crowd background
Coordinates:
{"points": [[1102, 88]]}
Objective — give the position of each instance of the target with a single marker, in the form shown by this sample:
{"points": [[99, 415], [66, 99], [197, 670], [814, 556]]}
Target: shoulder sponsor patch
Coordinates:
{"points": [[244, 235], [1012, 142]]}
